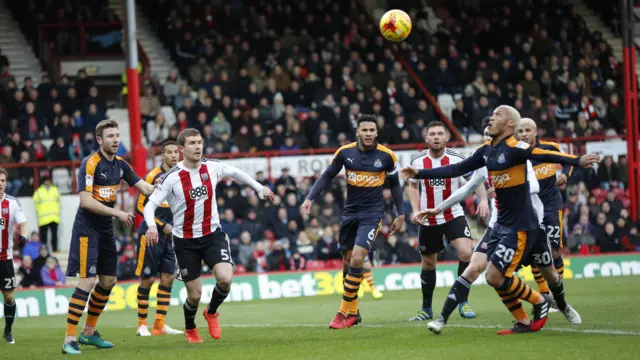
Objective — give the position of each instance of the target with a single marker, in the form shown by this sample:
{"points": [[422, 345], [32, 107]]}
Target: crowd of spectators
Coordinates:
{"points": [[258, 75], [35, 266]]}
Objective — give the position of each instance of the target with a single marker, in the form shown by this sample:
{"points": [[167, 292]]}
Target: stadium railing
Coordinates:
{"points": [[85, 31]]}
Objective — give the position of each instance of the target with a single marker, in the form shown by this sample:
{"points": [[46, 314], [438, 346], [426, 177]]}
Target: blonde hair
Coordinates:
{"points": [[512, 114]]}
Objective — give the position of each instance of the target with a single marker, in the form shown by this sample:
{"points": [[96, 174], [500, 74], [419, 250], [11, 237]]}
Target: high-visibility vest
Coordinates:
{"points": [[123, 79], [47, 202]]}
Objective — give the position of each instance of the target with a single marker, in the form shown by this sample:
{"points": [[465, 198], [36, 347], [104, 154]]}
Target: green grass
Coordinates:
{"points": [[298, 329]]}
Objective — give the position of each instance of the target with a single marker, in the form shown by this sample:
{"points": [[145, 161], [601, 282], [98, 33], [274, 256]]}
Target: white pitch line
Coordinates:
{"points": [[464, 326]]}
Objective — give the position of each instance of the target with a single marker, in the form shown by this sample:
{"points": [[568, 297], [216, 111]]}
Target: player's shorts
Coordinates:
{"points": [[540, 255], [7, 275], [92, 251], [552, 223], [212, 249], [431, 237], [486, 245], [359, 230], [159, 258]]}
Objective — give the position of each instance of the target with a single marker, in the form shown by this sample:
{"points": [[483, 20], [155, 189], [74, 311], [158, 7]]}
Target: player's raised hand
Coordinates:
{"points": [[152, 235], [397, 224], [267, 193], [421, 217], [491, 193], [408, 173], [483, 209], [589, 159], [561, 180], [126, 218], [305, 208]]}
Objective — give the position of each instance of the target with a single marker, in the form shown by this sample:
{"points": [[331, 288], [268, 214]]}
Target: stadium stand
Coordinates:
{"points": [[292, 77]]}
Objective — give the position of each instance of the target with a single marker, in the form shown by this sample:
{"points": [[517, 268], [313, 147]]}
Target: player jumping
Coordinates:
{"points": [[197, 236], [451, 224], [11, 215], [517, 228], [550, 196], [92, 251], [159, 258], [367, 165], [485, 248]]}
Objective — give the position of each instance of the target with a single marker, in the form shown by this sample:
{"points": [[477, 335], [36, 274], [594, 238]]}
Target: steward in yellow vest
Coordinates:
{"points": [[46, 200]]}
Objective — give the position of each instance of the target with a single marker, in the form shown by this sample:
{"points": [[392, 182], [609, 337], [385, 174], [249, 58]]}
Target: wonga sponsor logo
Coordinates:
{"points": [[364, 179]]}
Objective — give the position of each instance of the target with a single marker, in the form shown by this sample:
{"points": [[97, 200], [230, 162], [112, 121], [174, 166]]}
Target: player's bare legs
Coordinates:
{"points": [[428, 285], [9, 314], [223, 273], [190, 308], [349, 314], [464, 248]]}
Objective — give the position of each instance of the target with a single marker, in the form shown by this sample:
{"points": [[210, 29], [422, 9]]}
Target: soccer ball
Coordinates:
{"points": [[395, 25]]}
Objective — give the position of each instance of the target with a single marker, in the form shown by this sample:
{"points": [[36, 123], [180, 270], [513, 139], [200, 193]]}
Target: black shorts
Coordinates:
{"points": [[431, 238], [541, 255], [212, 249], [7, 275], [515, 249], [552, 224], [358, 230], [159, 258], [486, 245], [92, 251]]}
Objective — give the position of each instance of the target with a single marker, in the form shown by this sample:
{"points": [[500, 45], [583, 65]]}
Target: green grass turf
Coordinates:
{"points": [[298, 329]]}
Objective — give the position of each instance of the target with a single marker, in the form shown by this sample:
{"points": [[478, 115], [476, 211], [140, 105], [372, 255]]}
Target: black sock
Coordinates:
{"points": [[458, 294], [9, 315], [217, 298], [558, 263], [190, 315], [462, 266], [428, 279], [557, 290]]}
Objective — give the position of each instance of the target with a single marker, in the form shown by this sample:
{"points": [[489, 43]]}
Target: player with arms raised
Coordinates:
{"points": [[159, 258], [451, 224], [516, 229], [550, 196], [367, 165], [11, 215], [92, 251], [190, 189]]}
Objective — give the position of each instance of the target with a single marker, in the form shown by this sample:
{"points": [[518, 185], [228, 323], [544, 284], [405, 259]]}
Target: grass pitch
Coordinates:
{"points": [[298, 329]]}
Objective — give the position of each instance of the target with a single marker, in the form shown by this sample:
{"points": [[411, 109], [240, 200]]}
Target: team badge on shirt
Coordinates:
{"points": [[378, 163], [204, 177]]}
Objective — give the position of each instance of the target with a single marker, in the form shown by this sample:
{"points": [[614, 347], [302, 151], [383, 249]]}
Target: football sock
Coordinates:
{"points": [[513, 286], [542, 283], [428, 280], [164, 297], [514, 305], [189, 315], [217, 298], [458, 293], [559, 265], [9, 315], [77, 304], [143, 305], [97, 302], [558, 294], [462, 266], [352, 282], [368, 275]]}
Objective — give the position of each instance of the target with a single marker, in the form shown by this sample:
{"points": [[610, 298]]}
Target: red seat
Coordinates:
{"points": [[584, 249], [599, 193], [626, 202], [334, 264], [240, 269], [315, 265], [620, 194]]}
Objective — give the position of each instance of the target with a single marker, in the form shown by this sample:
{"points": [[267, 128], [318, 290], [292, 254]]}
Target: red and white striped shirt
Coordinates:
{"points": [[12, 214], [191, 193], [435, 191]]}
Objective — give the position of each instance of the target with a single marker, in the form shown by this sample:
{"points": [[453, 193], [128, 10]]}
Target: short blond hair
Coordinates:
{"points": [[105, 124], [512, 114]]}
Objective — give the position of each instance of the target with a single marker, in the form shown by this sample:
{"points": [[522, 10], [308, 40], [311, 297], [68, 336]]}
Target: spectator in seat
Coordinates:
{"points": [[609, 241], [13, 182], [93, 117], [149, 105], [287, 180], [127, 264], [314, 230], [43, 254], [622, 171], [59, 151], [327, 245], [31, 123], [280, 226], [230, 225], [251, 224], [278, 258], [608, 173], [26, 174], [397, 252], [83, 83], [65, 129], [32, 247], [52, 274], [172, 86], [157, 130], [304, 246], [298, 262], [260, 257], [246, 250], [29, 277], [566, 111]]}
